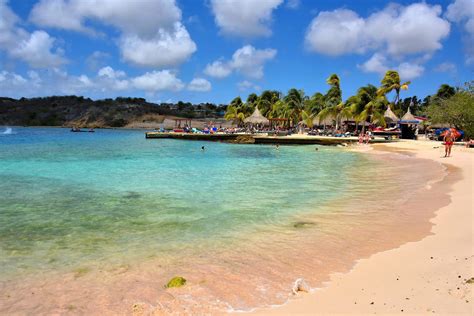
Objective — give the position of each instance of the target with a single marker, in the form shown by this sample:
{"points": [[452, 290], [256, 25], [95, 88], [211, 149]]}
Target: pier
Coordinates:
{"points": [[295, 139]]}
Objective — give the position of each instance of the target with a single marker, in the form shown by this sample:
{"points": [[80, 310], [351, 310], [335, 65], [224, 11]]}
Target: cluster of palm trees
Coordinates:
{"points": [[368, 105]]}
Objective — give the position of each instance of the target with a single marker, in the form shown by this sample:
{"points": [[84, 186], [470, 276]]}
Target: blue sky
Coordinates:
{"points": [[214, 50]]}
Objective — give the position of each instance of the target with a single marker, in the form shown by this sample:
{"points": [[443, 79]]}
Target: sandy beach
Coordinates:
{"points": [[424, 277]]}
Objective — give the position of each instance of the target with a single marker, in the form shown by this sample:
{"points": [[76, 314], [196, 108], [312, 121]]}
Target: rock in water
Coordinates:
{"points": [[177, 281], [300, 285], [244, 139]]}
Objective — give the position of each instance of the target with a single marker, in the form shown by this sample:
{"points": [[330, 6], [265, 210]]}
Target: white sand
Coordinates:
{"points": [[424, 277]]}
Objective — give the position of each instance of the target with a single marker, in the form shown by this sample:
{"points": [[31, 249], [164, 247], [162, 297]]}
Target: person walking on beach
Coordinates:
{"points": [[448, 143]]}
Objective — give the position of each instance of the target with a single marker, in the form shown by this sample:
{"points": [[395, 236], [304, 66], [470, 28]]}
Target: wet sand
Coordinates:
{"points": [[430, 276]]}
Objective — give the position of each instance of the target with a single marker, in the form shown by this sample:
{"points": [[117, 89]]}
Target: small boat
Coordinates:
{"points": [[78, 130]]}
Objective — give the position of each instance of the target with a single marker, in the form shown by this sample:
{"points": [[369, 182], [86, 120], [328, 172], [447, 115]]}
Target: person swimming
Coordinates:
{"points": [[203, 148]]}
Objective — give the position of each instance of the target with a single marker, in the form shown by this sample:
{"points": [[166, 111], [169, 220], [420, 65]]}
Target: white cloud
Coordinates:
{"points": [[245, 18], [109, 72], [397, 30], [293, 4], [165, 49], [446, 67], [377, 63], [200, 85], [247, 60], [247, 85], [58, 82], [218, 69], [335, 33], [462, 11], [157, 81], [152, 34], [409, 71], [35, 48], [250, 61]]}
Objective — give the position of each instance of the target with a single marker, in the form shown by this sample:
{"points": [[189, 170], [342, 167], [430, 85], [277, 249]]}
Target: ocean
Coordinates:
{"points": [[107, 218]]}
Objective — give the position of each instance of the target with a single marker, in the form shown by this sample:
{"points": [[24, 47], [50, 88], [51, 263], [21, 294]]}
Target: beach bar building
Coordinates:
{"points": [[257, 118]]}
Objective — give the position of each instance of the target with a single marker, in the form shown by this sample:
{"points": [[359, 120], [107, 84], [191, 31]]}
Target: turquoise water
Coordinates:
{"points": [[69, 199]]}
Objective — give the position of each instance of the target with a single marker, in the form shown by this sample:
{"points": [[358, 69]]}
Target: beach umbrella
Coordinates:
{"points": [[453, 132]]}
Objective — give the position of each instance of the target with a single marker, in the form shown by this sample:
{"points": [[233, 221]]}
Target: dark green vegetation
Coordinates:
{"points": [[367, 105], [84, 112], [454, 107]]}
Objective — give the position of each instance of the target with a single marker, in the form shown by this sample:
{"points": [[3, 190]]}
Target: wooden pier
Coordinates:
{"points": [[295, 139]]}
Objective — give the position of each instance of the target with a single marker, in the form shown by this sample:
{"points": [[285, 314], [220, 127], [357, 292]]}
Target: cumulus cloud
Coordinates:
{"points": [[36, 48], [247, 60], [446, 67], [378, 63], [218, 69], [158, 81], [247, 85], [462, 11], [58, 82], [409, 71], [247, 18], [152, 34], [397, 30], [199, 85], [165, 49], [293, 4]]}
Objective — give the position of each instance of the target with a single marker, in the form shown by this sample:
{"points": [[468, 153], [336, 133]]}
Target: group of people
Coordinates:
{"points": [[364, 138]]}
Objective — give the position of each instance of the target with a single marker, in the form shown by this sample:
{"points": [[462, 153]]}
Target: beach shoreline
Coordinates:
{"points": [[420, 277]]}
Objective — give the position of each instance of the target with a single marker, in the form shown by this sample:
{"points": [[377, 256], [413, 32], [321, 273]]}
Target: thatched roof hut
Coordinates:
{"points": [[329, 120], [390, 116], [408, 116], [257, 118]]}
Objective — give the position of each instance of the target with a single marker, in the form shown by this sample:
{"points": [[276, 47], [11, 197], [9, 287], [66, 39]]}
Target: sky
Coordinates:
{"points": [[214, 50]]}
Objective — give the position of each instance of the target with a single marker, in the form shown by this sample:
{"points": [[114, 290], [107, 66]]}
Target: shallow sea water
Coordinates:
{"points": [[104, 219]]}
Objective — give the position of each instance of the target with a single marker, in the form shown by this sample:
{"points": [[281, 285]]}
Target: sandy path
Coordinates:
{"points": [[425, 277]]}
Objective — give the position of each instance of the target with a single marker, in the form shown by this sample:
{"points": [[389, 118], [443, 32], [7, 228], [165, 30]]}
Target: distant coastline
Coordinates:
{"points": [[68, 111]]}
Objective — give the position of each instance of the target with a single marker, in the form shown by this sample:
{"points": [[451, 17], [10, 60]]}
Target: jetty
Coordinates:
{"points": [[240, 138]]}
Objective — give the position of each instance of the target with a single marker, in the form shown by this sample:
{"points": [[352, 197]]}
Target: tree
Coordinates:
{"points": [[445, 91], [334, 95], [234, 111], [457, 110], [334, 107], [294, 103], [391, 82]]}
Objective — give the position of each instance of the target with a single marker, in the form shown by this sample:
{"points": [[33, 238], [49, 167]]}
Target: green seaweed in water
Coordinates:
{"points": [[177, 281]]}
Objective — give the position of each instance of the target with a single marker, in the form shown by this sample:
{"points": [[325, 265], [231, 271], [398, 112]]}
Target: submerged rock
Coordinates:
{"points": [[132, 195], [300, 285], [244, 139], [177, 281]]}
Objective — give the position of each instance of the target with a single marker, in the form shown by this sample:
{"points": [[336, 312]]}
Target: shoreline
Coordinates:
{"points": [[418, 277]]}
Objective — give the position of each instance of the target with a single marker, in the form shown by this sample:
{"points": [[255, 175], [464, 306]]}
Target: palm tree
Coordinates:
{"points": [[334, 95], [374, 105], [235, 111], [294, 101], [334, 107], [391, 82]]}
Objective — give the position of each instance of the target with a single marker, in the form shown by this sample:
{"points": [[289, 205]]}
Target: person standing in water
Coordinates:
{"points": [[448, 143]]}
